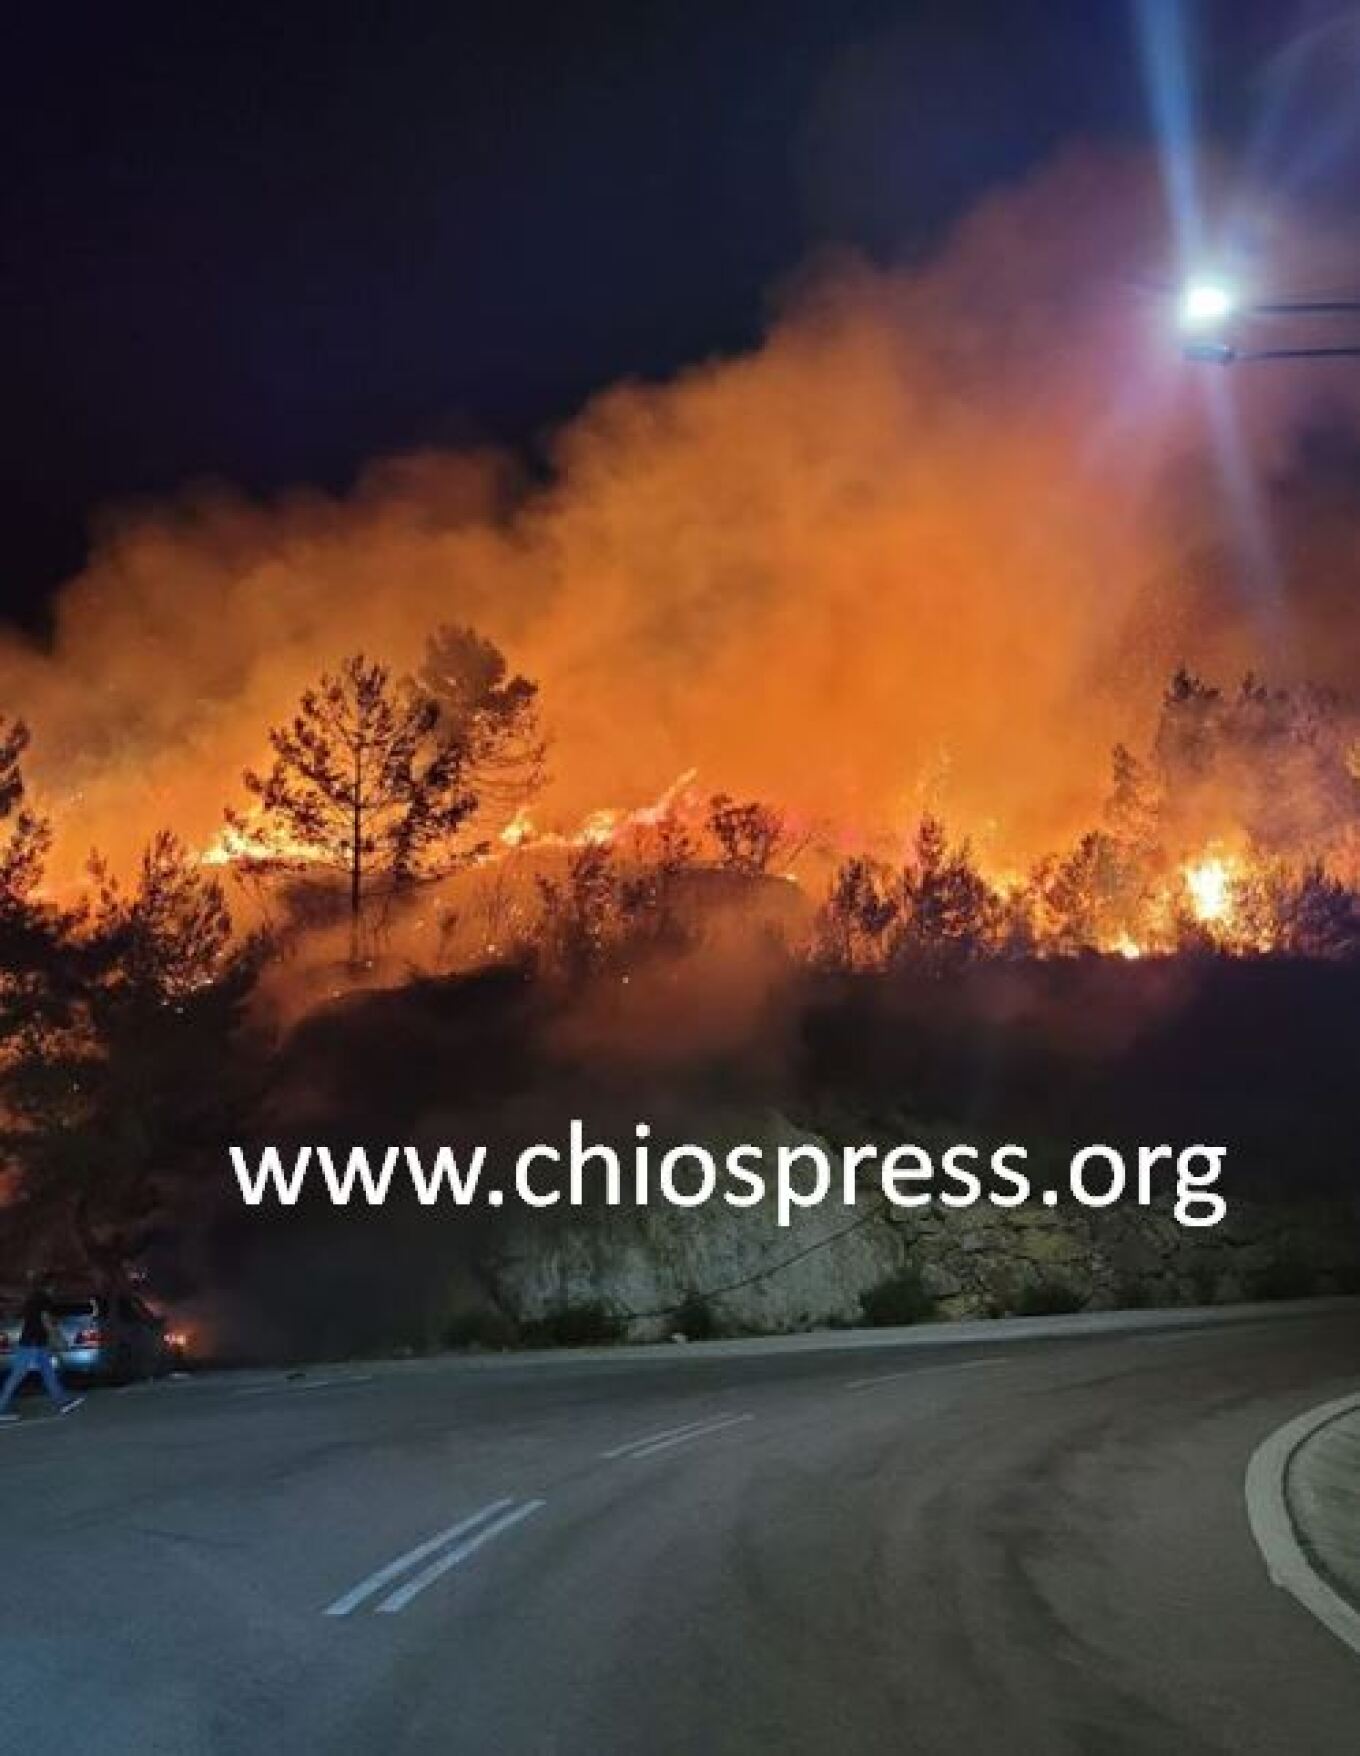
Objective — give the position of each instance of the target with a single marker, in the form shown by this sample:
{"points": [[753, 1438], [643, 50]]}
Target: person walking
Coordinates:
{"points": [[37, 1337]]}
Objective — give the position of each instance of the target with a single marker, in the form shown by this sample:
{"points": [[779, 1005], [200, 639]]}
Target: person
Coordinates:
{"points": [[34, 1354]]}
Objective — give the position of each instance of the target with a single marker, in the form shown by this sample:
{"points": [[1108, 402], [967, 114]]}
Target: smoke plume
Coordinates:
{"points": [[937, 542]]}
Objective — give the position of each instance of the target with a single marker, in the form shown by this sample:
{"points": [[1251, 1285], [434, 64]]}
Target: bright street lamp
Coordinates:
{"points": [[1205, 304], [1209, 307]]}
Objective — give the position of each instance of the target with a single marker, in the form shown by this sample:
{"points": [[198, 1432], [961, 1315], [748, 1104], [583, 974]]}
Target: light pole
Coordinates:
{"points": [[1208, 306]]}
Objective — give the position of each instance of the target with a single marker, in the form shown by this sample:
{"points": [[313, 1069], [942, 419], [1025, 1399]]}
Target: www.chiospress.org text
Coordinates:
{"points": [[793, 1177]]}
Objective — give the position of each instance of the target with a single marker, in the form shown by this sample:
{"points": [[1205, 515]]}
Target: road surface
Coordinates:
{"points": [[1009, 1546]]}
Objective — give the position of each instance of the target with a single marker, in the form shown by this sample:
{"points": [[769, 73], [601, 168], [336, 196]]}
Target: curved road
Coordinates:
{"points": [[998, 1544]]}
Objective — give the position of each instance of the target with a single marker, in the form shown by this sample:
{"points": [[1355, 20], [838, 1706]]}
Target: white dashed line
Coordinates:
{"points": [[366, 1588], [455, 1557], [651, 1443]]}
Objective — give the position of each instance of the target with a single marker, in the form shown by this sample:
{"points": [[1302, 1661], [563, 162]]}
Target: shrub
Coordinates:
{"points": [[1203, 1285], [588, 1323], [1132, 1293], [1044, 1295], [695, 1318], [1346, 1279], [898, 1298], [1287, 1277], [480, 1327]]}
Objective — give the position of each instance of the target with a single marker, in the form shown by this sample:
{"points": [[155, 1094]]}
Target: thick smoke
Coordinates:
{"points": [[937, 542]]}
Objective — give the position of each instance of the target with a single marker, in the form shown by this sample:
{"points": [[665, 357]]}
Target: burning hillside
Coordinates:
{"points": [[932, 548], [1234, 832]]}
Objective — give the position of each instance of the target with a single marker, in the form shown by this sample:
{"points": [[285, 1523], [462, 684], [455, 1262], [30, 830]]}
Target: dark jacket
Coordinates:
{"points": [[34, 1331]]}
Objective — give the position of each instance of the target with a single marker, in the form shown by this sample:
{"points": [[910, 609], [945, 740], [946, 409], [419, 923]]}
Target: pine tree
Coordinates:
{"points": [[363, 784]]}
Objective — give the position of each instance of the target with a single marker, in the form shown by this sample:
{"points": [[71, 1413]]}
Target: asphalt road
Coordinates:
{"points": [[1009, 1546]]}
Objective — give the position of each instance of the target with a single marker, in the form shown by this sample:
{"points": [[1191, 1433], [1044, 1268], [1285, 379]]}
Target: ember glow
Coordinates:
{"points": [[239, 845], [1209, 883]]}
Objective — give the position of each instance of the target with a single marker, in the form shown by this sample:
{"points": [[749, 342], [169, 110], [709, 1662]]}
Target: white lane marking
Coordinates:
{"points": [[644, 1449], [399, 1599], [412, 1558], [1272, 1524], [303, 1384], [922, 1371], [651, 1438], [1160, 1337]]}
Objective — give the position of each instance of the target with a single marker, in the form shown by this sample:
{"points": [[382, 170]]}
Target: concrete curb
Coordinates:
{"points": [[1303, 1503]]}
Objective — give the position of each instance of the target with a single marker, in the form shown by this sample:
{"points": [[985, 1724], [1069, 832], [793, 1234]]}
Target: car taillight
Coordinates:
{"points": [[88, 1338]]}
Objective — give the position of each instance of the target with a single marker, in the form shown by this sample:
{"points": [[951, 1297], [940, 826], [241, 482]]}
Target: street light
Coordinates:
{"points": [[1207, 306]]}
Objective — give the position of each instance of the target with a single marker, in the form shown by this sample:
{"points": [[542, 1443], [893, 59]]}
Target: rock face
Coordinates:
{"points": [[752, 1275]]}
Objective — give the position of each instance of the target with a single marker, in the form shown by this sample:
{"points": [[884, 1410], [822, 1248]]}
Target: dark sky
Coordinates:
{"points": [[266, 242]]}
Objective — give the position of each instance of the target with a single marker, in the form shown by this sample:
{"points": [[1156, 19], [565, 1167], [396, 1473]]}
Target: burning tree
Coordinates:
{"points": [[1134, 806], [1093, 898], [369, 781]]}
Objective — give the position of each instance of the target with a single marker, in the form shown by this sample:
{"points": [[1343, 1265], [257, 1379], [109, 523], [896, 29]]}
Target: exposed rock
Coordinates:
{"points": [[756, 1276]]}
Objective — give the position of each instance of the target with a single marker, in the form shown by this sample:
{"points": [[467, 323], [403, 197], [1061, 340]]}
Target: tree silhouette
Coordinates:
{"points": [[1096, 896], [363, 784], [1133, 807], [949, 913], [1297, 912], [120, 1090], [171, 935], [1270, 763], [748, 835], [852, 924], [486, 719], [24, 836], [31, 929]]}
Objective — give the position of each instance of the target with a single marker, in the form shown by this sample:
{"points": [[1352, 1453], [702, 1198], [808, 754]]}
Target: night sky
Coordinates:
{"points": [[266, 243]]}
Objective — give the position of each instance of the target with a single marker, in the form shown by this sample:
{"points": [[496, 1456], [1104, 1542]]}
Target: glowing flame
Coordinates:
{"points": [[519, 829], [239, 845], [1208, 883], [605, 826], [600, 828]]}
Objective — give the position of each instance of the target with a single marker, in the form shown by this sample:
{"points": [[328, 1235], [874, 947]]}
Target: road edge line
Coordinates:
{"points": [[1276, 1534]]}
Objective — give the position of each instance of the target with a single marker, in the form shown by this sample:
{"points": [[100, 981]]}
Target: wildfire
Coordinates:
{"points": [[519, 830], [605, 826], [1209, 886], [1120, 892], [237, 845]]}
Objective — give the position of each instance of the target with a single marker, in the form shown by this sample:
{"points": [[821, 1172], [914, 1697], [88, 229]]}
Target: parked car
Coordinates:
{"points": [[113, 1337]]}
